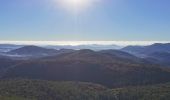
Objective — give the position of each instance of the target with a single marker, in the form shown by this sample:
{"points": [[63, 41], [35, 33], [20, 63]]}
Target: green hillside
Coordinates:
{"points": [[154, 92], [44, 90], [48, 90]]}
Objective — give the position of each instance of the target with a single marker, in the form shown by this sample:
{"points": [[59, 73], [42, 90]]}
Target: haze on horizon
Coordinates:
{"points": [[77, 43], [84, 20]]}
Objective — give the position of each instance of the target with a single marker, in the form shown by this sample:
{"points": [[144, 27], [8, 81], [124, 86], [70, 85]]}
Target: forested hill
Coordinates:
{"points": [[51, 90], [90, 66]]}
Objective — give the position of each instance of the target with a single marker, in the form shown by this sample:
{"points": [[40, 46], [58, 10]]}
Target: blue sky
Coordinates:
{"points": [[109, 20]]}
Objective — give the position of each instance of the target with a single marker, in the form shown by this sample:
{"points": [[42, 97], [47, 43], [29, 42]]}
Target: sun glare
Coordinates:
{"points": [[75, 5]]}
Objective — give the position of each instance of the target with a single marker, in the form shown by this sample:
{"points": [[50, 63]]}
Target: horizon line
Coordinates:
{"points": [[75, 43]]}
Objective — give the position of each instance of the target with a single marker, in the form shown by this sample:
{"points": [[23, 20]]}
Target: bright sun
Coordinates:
{"points": [[75, 5]]}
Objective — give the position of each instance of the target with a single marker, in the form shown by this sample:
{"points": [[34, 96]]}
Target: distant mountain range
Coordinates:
{"points": [[92, 47], [158, 47], [32, 51], [111, 68], [156, 53], [27, 52], [8, 47], [48, 73]]}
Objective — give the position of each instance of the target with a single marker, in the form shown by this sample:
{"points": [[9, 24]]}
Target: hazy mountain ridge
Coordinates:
{"points": [[162, 58], [157, 47], [8, 47], [157, 53], [91, 66], [32, 51], [92, 47]]}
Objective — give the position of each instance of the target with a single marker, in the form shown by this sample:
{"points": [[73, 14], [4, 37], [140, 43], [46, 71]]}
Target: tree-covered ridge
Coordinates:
{"points": [[45, 90], [150, 92], [52, 90], [13, 98]]}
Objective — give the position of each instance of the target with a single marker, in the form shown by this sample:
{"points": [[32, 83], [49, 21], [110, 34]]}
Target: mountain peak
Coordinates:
{"points": [[32, 50]]}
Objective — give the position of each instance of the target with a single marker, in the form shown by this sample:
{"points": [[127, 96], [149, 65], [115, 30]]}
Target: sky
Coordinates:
{"points": [[102, 20]]}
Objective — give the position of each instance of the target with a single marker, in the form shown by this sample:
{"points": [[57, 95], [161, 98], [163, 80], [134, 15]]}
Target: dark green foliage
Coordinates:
{"points": [[45, 90], [48, 90], [154, 92], [13, 98]]}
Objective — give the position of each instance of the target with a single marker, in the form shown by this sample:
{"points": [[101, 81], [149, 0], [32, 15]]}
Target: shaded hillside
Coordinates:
{"points": [[133, 49], [122, 55], [90, 66], [6, 63], [162, 58]]}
